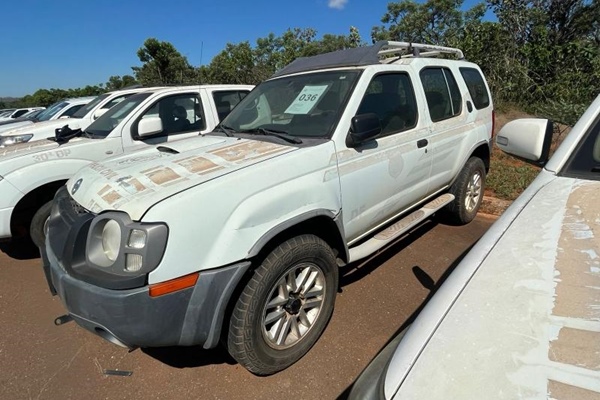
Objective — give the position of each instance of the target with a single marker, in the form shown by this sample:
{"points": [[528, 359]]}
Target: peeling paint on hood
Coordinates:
{"points": [[527, 324], [135, 181]]}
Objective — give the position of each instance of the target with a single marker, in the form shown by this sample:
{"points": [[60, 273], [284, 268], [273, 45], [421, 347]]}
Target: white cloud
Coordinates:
{"points": [[337, 4]]}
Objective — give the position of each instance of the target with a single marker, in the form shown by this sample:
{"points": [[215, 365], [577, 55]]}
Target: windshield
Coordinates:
{"points": [[89, 106], [301, 105], [109, 121], [51, 111]]}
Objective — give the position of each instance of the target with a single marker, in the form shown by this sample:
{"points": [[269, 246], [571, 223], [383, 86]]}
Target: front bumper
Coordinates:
{"points": [[5, 215], [131, 318]]}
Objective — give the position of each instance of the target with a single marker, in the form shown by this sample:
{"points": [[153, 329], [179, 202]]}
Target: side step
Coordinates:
{"points": [[391, 233]]}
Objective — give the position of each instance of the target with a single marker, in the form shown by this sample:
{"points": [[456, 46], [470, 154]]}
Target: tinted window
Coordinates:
{"points": [[441, 91], [178, 114], [89, 106], [392, 98], [17, 114], [225, 101], [585, 161], [72, 110], [477, 89]]}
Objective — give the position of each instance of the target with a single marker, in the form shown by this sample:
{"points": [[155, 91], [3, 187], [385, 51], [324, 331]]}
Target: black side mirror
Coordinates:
{"points": [[363, 128]]}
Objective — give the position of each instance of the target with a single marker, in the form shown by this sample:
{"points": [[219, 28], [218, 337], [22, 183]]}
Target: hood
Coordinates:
{"points": [[528, 316], [43, 128], [135, 181], [33, 147]]}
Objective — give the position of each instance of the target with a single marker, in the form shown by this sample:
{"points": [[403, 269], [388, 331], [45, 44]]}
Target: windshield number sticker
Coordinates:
{"points": [[306, 99]]}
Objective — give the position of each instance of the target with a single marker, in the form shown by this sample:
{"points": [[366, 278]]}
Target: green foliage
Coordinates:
{"points": [[119, 82], [162, 64]]}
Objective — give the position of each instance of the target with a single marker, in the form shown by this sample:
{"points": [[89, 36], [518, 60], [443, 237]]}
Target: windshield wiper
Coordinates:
{"points": [[229, 131], [271, 132]]}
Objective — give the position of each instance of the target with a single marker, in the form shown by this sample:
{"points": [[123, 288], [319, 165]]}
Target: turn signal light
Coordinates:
{"points": [[174, 285]]}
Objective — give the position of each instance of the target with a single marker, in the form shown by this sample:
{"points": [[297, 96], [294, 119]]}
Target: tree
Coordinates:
{"points": [[162, 64], [116, 82]]}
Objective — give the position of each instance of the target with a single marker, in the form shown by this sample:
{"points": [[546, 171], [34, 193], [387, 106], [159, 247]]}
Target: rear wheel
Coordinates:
{"points": [[285, 306], [37, 229], [468, 191]]}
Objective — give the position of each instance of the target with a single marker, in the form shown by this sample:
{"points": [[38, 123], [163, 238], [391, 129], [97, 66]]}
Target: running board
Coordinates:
{"points": [[394, 231]]}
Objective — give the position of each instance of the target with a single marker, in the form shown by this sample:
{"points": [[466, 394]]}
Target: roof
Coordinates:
{"points": [[367, 55]]}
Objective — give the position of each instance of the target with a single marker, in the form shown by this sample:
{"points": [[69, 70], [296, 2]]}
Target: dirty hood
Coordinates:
{"points": [[527, 324], [135, 181]]}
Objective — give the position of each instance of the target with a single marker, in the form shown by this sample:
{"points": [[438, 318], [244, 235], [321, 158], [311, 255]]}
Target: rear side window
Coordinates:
{"points": [[392, 98], [227, 100], [72, 110], [477, 88], [442, 93]]}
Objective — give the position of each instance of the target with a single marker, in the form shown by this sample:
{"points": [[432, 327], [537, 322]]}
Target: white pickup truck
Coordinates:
{"points": [[238, 234], [30, 173], [61, 109], [79, 120]]}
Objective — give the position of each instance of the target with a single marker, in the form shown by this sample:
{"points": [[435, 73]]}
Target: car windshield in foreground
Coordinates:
{"points": [[109, 121], [90, 106], [307, 105]]}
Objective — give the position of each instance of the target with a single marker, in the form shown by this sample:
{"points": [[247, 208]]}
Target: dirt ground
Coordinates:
{"points": [[39, 360]]}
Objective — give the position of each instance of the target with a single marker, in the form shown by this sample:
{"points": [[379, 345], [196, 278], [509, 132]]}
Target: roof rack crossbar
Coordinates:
{"points": [[416, 49]]}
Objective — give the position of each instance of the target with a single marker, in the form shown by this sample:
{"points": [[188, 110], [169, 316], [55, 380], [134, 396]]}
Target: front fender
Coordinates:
{"points": [[226, 220]]}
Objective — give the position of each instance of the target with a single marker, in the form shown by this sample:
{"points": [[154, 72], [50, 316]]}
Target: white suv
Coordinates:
{"points": [[241, 232]]}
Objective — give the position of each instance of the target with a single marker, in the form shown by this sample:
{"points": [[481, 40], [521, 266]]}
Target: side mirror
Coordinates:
{"points": [[149, 126], [364, 127], [528, 139], [100, 112]]}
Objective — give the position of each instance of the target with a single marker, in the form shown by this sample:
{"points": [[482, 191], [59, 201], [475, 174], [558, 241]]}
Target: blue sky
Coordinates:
{"points": [[69, 44]]}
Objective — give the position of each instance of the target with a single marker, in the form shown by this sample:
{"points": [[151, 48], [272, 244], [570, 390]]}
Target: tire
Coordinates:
{"points": [[273, 323], [468, 192], [36, 229]]}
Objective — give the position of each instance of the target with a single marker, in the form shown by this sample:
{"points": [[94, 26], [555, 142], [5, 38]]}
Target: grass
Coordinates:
{"points": [[508, 177]]}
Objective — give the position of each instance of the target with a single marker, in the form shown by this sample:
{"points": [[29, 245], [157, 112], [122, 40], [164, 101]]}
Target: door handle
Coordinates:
{"points": [[469, 106], [422, 143]]}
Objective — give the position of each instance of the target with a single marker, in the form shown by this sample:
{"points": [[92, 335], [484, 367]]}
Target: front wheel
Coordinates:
{"points": [[37, 229], [468, 192], [285, 306]]}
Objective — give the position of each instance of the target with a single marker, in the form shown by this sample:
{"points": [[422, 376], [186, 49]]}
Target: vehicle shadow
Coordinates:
{"points": [[190, 357], [354, 272], [428, 283], [20, 250]]}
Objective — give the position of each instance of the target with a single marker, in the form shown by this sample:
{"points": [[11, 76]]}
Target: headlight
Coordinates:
{"points": [[111, 239], [16, 139], [119, 246]]}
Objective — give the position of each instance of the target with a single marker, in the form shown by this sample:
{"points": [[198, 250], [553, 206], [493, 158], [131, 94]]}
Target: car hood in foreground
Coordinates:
{"points": [[520, 316], [135, 181]]}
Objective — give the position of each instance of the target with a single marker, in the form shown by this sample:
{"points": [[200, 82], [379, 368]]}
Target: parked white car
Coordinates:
{"points": [[19, 112], [519, 316], [61, 109], [241, 231], [30, 173], [78, 120]]}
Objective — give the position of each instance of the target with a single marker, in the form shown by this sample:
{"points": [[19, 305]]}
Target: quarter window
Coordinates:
{"points": [[392, 98], [442, 93], [476, 85]]}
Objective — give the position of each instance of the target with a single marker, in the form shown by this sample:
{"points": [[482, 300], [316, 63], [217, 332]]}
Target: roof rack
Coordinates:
{"points": [[365, 56], [416, 50]]}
